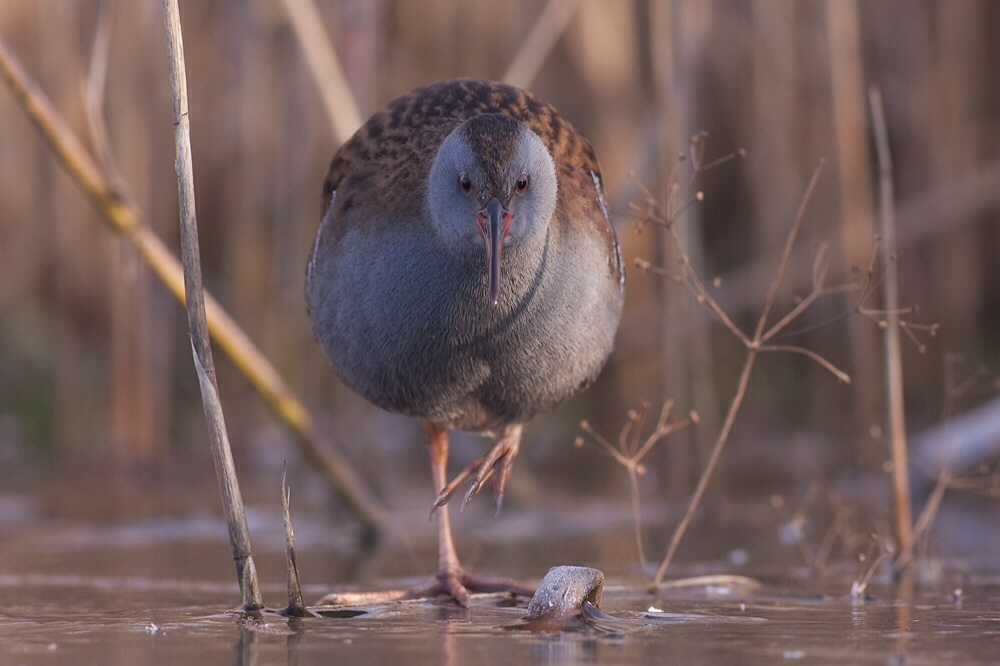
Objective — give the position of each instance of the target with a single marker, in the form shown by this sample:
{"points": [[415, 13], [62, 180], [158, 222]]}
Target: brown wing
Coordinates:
{"points": [[409, 130]]}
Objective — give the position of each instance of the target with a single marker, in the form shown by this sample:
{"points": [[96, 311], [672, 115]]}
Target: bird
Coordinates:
{"points": [[466, 273]]}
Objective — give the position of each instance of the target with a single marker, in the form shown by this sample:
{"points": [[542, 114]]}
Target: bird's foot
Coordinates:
{"points": [[498, 461], [459, 585]]}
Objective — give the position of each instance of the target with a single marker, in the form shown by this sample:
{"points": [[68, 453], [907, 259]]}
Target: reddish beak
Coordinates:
{"points": [[494, 225]]}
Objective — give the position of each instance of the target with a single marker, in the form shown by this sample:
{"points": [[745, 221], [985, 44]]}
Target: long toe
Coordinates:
{"points": [[498, 461], [490, 584], [448, 584], [503, 467], [459, 586], [446, 493]]}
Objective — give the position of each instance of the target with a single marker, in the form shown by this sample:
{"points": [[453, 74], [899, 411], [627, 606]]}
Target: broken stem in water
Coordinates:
{"points": [[225, 469], [296, 606]]}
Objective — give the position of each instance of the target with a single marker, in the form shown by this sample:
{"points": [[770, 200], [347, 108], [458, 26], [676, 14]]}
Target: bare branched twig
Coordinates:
{"points": [[954, 391], [882, 316], [631, 449], [984, 481], [665, 216], [225, 469], [879, 548], [123, 218], [841, 530], [795, 529]]}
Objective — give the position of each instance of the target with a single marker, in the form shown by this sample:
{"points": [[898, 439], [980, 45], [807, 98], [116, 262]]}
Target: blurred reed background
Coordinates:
{"points": [[94, 357]]}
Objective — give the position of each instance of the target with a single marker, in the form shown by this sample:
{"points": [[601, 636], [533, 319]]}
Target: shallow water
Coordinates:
{"points": [[150, 582], [46, 621]]}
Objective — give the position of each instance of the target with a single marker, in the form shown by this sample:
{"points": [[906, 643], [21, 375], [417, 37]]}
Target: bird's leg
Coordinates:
{"points": [[449, 568], [498, 460], [451, 578]]}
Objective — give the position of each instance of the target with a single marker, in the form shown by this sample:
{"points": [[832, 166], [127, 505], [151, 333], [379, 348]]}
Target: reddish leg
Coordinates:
{"points": [[451, 579]]}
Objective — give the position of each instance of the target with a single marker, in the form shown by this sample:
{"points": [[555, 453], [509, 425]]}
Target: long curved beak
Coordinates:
{"points": [[494, 225]]}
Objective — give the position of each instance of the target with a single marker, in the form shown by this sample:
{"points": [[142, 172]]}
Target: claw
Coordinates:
{"points": [[506, 463], [472, 492], [445, 496], [498, 460], [450, 489]]}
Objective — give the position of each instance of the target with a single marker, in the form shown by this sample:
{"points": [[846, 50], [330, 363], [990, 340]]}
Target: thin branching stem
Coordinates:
{"points": [[777, 328], [753, 346], [783, 263], [830, 367], [699, 491], [953, 392], [629, 453], [702, 295], [633, 481], [792, 315], [663, 429]]}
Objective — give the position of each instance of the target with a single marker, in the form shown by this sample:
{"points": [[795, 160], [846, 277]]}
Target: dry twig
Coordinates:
{"points": [[954, 391], [296, 606], [795, 529], [893, 355], [631, 449], [879, 549], [677, 201]]}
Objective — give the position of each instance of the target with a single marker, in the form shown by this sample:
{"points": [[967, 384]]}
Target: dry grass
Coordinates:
{"points": [[678, 200]]}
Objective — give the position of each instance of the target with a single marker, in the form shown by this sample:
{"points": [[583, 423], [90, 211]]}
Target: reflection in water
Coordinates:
{"points": [[297, 627], [904, 615], [247, 647], [764, 628], [449, 644], [565, 649]]}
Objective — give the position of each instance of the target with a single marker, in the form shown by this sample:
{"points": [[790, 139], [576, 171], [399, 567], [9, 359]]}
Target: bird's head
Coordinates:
{"points": [[493, 182]]}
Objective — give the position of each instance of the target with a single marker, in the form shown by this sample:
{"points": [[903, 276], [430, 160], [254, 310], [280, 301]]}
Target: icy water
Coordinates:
{"points": [[92, 574], [59, 620]]}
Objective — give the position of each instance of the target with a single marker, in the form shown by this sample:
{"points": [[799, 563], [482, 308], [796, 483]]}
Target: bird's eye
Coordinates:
{"points": [[522, 183], [465, 182]]}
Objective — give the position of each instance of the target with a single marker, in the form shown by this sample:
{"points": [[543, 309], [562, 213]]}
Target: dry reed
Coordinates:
{"points": [[201, 347], [893, 354]]}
